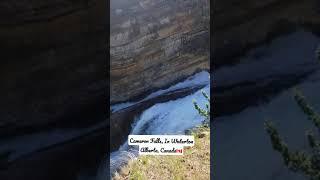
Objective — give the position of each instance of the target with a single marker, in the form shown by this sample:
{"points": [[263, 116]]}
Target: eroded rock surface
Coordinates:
{"points": [[156, 43]]}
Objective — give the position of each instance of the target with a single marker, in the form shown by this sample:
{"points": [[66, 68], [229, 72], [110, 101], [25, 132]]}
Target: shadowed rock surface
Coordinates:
{"points": [[240, 25], [53, 64], [265, 71], [53, 78]]}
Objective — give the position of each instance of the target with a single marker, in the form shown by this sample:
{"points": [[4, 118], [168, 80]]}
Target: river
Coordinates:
{"points": [[171, 117]]}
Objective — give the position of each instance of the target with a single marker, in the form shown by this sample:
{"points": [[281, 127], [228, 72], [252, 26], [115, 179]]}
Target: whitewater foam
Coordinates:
{"points": [[172, 117], [199, 79]]}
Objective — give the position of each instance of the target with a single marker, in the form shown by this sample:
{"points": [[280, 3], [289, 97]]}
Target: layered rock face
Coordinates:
{"points": [[239, 25], [154, 43], [53, 63]]}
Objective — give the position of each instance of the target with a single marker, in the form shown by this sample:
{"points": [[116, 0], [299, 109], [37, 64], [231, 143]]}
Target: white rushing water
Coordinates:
{"points": [[171, 117], [198, 79]]}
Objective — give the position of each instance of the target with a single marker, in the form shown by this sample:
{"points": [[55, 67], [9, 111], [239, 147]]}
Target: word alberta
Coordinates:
{"points": [[160, 150], [161, 144]]}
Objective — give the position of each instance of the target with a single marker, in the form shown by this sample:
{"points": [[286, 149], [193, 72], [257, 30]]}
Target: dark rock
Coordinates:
{"points": [[53, 64], [241, 25], [53, 76]]}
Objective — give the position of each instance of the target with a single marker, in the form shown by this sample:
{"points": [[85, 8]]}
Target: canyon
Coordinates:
{"points": [[54, 65], [153, 45], [139, 64]]}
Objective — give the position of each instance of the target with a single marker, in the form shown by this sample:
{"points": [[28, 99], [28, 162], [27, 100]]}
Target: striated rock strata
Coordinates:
{"points": [[154, 43]]}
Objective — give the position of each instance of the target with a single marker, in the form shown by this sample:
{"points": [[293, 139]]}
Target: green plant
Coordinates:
{"points": [[204, 112], [300, 161]]}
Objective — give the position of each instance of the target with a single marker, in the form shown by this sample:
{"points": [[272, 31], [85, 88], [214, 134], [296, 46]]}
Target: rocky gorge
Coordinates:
{"points": [[252, 42], [236, 27], [153, 45], [53, 70]]}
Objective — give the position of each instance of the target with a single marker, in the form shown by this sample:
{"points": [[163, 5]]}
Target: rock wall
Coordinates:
{"points": [[239, 25], [147, 36], [154, 43], [53, 63]]}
